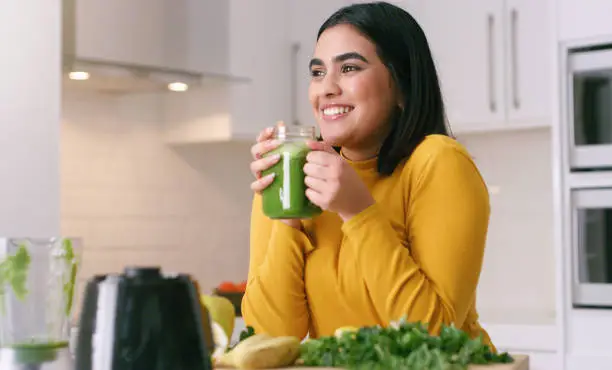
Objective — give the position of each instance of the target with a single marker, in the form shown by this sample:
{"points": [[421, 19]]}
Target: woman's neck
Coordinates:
{"points": [[359, 154]]}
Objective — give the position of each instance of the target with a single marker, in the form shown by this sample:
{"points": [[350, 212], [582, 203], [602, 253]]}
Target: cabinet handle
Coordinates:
{"points": [[514, 50], [295, 50], [491, 62]]}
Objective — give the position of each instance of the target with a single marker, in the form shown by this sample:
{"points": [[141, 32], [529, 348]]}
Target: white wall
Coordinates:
{"points": [[135, 200], [518, 281], [29, 117]]}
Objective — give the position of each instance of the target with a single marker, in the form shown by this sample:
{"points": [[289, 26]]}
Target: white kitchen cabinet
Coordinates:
{"points": [[529, 61], [493, 58], [584, 20], [182, 35], [306, 17], [259, 49]]}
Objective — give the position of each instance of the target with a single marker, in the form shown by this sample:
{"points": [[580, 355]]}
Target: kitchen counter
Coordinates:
{"points": [[521, 362]]}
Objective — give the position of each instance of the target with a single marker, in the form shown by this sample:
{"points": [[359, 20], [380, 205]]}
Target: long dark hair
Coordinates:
{"points": [[402, 46]]}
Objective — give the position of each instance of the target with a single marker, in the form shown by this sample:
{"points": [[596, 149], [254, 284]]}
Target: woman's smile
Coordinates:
{"points": [[335, 111]]}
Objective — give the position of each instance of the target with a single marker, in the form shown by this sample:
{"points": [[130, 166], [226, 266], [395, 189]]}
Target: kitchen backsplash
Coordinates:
{"points": [[136, 200], [518, 280]]}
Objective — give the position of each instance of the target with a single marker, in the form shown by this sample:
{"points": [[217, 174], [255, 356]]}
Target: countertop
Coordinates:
{"points": [[521, 362]]}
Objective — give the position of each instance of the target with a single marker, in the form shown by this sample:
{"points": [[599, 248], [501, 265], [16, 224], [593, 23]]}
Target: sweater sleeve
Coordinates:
{"points": [[275, 298], [432, 276]]}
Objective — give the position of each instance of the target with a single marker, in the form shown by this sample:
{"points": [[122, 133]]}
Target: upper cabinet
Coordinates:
{"points": [[259, 48], [493, 58], [584, 20], [306, 17], [144, 41]]}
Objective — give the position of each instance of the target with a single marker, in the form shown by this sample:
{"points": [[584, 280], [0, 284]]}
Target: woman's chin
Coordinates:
{"points": [[331, 139]]}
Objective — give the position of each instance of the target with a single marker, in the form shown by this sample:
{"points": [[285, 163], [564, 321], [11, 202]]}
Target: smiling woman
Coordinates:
{"points": [[405, 209]]}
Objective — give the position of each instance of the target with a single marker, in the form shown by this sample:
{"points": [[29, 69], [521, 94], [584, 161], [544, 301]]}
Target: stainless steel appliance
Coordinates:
{"points": [[588, 91], [590, 105], [592, 246]]}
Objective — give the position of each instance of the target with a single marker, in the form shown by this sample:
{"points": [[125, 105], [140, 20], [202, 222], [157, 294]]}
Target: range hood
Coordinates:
{"points": [[145, 46], [123, 78]]}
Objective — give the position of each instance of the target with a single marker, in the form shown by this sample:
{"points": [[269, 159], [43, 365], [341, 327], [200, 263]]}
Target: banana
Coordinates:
{"points": [[262, 351]]}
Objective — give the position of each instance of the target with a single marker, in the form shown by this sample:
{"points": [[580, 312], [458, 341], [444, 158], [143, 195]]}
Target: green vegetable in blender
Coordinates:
{"points": [[14, 273], [70, 259], [404, 346]]}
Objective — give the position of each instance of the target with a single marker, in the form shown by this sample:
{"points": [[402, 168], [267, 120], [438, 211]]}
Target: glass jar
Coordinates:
{"points": [[285, 197], [37, 284]]}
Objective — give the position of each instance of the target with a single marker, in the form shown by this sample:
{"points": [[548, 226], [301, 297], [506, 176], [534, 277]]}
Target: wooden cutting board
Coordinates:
{"points": [[521, 362]]}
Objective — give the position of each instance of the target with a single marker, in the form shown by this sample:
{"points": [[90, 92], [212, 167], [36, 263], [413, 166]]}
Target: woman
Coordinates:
{"points": [[406, 210]]}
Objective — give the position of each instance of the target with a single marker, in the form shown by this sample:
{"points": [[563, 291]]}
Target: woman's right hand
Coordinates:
{"points": [[264, 144]]}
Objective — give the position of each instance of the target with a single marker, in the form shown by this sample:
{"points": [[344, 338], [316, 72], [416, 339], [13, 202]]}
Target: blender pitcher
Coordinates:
{"points": [[37, 282]]}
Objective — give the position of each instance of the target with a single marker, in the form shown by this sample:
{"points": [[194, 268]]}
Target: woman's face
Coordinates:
{"points": [[351, 92]]}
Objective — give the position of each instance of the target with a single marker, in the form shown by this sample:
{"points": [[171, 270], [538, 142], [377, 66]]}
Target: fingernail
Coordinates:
{"points": [[276, 157], [270, 175]]}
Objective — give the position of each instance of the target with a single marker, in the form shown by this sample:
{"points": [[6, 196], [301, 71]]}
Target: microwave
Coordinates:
{"points": [[591, 230], [590, 108]]}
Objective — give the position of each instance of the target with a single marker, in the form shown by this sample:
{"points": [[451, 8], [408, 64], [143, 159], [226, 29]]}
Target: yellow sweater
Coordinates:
{"points": [[417, 253]]}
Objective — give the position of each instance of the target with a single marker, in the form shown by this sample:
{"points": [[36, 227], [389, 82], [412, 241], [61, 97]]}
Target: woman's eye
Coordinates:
{"points": [[316, 73], [349, 68]]}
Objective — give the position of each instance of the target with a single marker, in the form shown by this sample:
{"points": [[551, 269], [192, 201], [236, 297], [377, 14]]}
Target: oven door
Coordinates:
{"points": [[590, 112], [592, 247]]}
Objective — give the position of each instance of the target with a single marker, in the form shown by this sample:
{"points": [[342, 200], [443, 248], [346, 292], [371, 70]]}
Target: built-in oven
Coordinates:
{"points": [[590, 103], [591, 221], [589, 178]]}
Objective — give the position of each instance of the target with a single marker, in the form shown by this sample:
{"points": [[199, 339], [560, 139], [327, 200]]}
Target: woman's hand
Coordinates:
{"points": [[264, 144], [332, 183]]}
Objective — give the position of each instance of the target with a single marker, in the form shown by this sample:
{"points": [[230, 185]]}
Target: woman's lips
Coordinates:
{"points": [[334, 112]]}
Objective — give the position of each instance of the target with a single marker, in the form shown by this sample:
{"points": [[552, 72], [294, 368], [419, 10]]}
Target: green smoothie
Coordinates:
{"points": [[37, 352], [286, 197]]}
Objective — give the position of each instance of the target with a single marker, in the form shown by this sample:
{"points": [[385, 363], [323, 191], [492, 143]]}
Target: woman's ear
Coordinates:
{"points": [[399, 99]]}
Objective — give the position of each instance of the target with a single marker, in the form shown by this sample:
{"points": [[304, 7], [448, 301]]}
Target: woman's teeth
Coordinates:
{"points": [[336, 111]]}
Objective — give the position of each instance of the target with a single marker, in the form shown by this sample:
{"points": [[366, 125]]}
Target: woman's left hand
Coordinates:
{"points": [[332, 183]]}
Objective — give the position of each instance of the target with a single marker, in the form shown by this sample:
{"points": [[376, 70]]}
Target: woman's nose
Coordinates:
{"points": [[331, 87]]}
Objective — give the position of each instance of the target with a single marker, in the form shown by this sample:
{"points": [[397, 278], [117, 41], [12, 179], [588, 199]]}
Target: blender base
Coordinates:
{"points": [[47, 359]]}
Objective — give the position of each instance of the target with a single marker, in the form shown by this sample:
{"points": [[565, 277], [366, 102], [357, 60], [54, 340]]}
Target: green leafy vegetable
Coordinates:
{"points": [[70, 259], [405, 346], [246, 332], [14, 273]]}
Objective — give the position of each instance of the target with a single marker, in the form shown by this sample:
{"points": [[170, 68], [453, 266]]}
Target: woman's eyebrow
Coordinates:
{"points": [[339, 58]]}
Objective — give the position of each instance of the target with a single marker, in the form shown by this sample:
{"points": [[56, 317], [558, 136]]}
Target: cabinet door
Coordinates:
{"points": [[306, 17], [466, 38], [197, 35], [121, 31], [579, 19], [187, 35], [259, 49], [529, 61]]}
